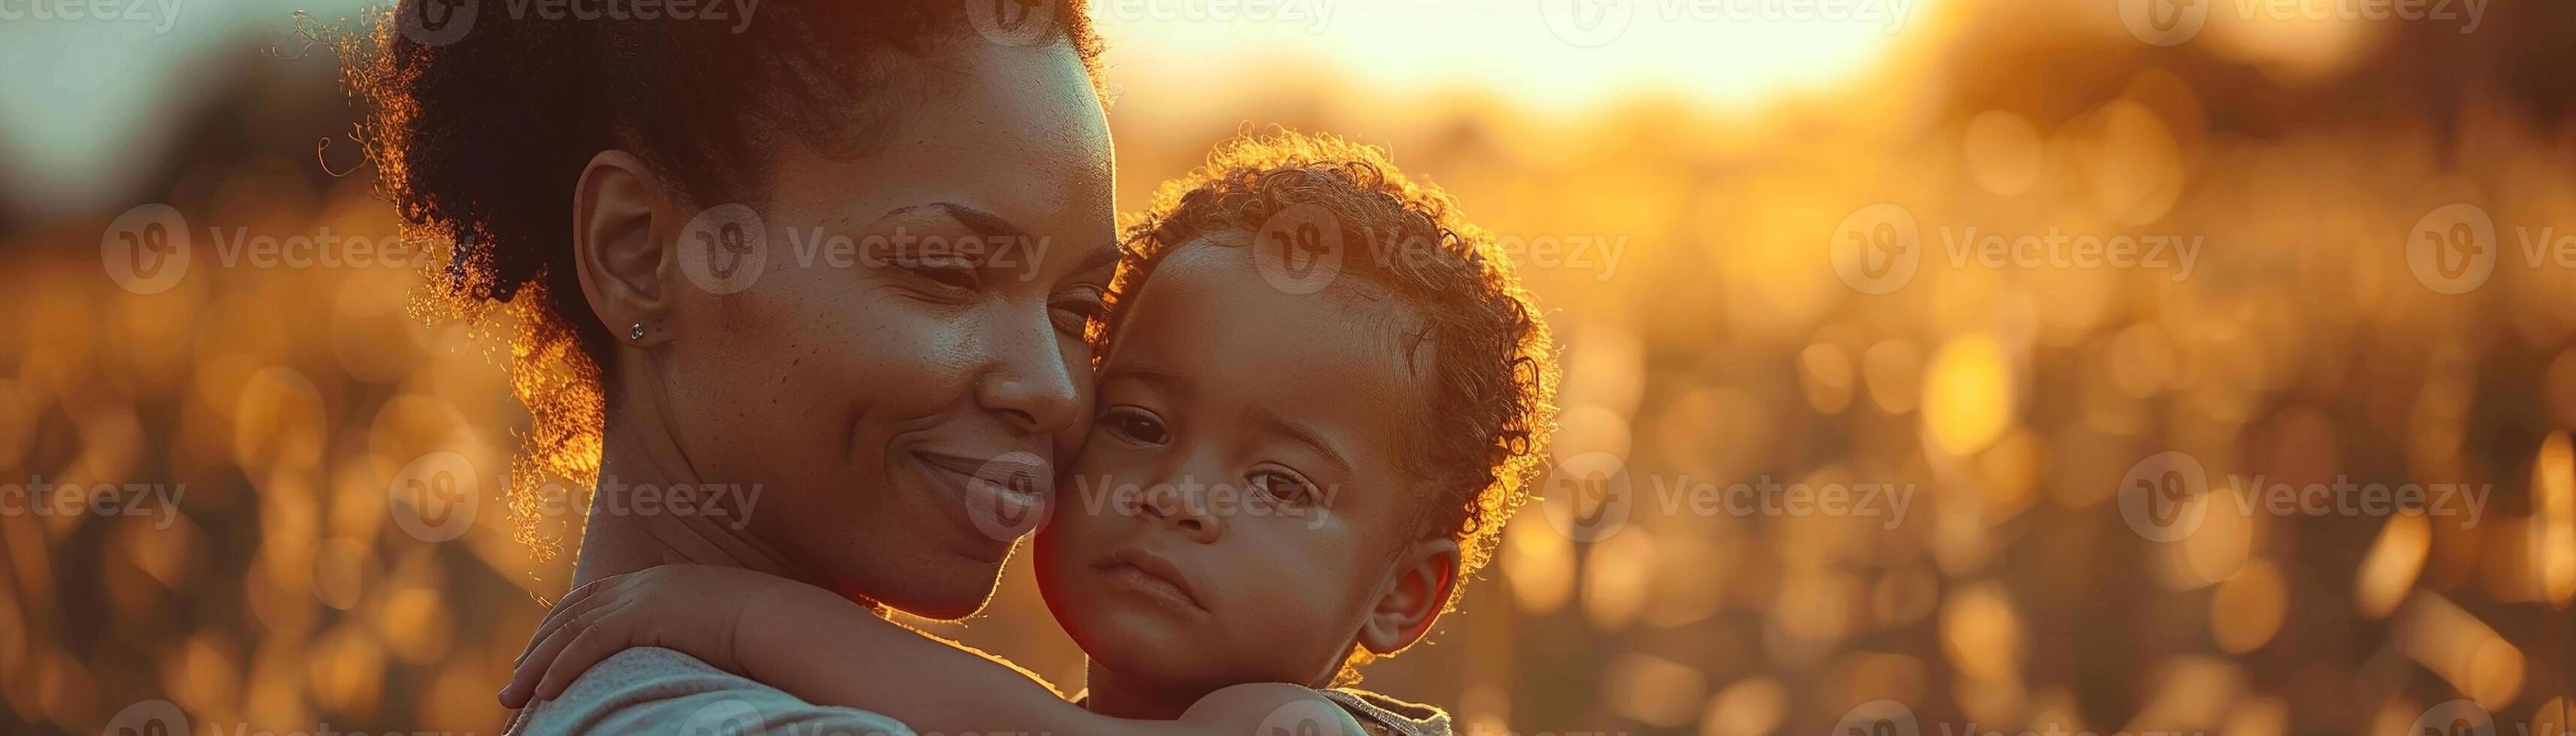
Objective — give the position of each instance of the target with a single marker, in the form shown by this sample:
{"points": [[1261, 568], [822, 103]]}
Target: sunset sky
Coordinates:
{"points": [[86, 102]]}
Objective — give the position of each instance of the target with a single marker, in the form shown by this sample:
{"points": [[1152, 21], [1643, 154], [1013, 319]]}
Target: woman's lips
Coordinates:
{"points": [[1001, 496], [1151, 574]]}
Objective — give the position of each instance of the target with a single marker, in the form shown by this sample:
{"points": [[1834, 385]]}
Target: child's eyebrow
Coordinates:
{"points": [[1168, 381], [1299, 432]]}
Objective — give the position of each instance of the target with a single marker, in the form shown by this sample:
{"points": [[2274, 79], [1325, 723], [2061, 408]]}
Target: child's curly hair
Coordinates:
{"points": [[1493, 373]]}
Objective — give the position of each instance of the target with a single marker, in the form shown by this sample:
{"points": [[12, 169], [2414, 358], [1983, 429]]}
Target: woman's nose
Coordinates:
{"points": [[1035, 381]]}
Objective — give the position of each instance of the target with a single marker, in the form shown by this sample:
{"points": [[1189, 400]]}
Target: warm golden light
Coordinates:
{"points": [[1820, 258]]}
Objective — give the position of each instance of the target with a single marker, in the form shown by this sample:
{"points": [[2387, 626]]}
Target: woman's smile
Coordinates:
{"points": [[993, 496]]}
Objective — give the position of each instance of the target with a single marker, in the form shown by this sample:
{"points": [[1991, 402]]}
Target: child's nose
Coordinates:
{"points": [[1184, 508]]}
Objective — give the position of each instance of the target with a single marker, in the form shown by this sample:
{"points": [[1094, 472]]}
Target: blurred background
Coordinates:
{"points": [[1831, 245]]}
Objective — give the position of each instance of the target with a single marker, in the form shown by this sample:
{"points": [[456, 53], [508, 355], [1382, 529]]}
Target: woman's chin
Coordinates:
{"points": [[958, 589]]}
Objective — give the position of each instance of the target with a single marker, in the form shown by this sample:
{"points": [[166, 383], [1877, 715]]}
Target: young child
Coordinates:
{"points": [[1301, 451]]}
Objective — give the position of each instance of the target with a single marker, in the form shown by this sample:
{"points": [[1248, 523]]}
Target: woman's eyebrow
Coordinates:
{"points": [[981, 222], [989, 225]]}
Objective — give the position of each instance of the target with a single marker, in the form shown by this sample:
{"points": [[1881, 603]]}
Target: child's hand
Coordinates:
{"points": [[696, 609]]}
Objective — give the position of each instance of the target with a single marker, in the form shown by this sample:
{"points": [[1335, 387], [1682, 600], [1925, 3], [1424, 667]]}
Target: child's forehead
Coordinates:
{"points": [[1206, 316], [1220, 290], [1228, 264]]}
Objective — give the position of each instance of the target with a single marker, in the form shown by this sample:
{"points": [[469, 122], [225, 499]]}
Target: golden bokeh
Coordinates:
{"points": [[1982, 377]]}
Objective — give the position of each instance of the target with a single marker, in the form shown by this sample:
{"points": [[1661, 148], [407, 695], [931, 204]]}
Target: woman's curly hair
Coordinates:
{"points": [[1491, 383], [480, 140]]}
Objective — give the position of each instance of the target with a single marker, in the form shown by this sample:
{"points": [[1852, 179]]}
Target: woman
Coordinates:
{"points": [[716, 235]]}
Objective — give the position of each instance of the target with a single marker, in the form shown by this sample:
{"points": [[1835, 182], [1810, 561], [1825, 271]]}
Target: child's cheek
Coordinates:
{"points": [[1096, 484]]}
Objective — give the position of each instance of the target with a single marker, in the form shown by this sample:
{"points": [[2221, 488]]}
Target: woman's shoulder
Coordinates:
{"points": [[650, 690]]}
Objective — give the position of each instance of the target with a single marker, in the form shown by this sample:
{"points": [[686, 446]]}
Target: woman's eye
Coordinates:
{"points": [[1283, 486], [1134, 426], [1075, 309], [954, 276]]}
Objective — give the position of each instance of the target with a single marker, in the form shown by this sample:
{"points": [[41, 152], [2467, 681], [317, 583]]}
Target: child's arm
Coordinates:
{"points": [[825, 649]]}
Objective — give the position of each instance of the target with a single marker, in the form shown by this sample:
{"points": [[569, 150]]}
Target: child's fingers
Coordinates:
{"points": [[554, 621], [575, 603], [595, 642], [532, 663], [549, 644], [523, 675]]}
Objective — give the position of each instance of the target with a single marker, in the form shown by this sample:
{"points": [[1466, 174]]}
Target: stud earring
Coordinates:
{"points": [[636, 332]]}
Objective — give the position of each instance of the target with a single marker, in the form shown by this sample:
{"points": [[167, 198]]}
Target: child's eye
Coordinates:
{"points": [[1134, 425], [1282, 486]]}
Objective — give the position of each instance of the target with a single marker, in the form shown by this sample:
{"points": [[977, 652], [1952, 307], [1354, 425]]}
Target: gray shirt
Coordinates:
{"points": [[650, 690]]}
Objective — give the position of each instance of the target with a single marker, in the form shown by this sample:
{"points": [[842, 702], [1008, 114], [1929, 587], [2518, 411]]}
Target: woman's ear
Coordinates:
{"points": [[1425, 574], [622, 216]]}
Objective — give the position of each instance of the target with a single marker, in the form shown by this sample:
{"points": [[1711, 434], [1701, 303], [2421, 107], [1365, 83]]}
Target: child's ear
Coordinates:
{"points": [[1412, 599]]}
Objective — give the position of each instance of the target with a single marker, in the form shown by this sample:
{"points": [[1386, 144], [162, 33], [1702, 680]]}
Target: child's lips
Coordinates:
{"points": [[1152, 574]]}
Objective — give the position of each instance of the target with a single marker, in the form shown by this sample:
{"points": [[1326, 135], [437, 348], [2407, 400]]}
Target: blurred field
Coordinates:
{"points": [[1721, 346]]}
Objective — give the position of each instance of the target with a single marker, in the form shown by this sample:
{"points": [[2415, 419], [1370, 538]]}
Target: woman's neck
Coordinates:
{"points": [[1118, 696], [622, 535]]}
